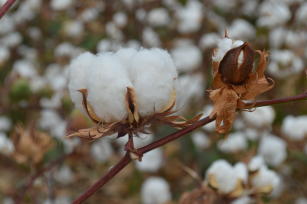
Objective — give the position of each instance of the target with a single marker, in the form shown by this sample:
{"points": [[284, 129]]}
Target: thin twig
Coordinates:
{"points": [[6, 7], [126, 159], [38, 174]]}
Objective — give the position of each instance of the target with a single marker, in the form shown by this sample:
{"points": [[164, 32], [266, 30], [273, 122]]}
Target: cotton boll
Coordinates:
{"points": [[151, 161], [284, 63], [273, 13], [67, 50], [158, 17], [60, 4], [78, 76], [155, 190], [89, 14], [24, 68], [11, 40], [261, 117], [251, 134], [206, 112], [151, 38], [6, 145], [63, 175], [7, 24], [256, 163], [225, 5], [224, 175], [301, 200], [4, 54], [277, 37], [201, 140], [5, 123], [187, 57], [139, 141], [233, 143], [273, 150], [223, 47], [108, 87], [113, 31], [125, 55], [209, 40], [241, 171], [241, 29], [107, 45], [301, 14], [265, 180], [69, 145], [73, 28], [102, 150], [154, 78], [295, 128], [189, 17], [120, 19], [243, 200], [140, 15]]}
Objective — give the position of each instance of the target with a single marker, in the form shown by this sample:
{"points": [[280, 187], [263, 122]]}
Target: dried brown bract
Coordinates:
{"points": [[235, 81]]}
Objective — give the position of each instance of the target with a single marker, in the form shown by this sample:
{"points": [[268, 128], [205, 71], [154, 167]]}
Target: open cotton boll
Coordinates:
{"points": [[201, 140], [78, 76], [241, 171], [155, 190], [206, 111], [107, 87], [64, 175], [273, 150], [301, 14], [224, 176], [265, 180], [295, 128], [60, 4], [242, 29], [5, 123], [154, 78], [233, 143], [256, 163], [6, 145], [223, 47], [125, 55], [151, 38], [158, 17], [243, 200], [102, 150], [151, 161], [261, 117]]}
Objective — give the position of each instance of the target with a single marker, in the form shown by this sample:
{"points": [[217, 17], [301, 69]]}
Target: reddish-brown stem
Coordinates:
{"points": [[126, 159], [38, 174], [6, 7]]}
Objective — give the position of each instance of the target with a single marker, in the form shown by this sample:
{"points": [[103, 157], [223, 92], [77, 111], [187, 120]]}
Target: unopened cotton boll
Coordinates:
{"points": [[223, 47], [261, 117], [151, 161], [78, 76], [155, 190], [154, 78], [265, 180], [233, 143], [273, 150], [224, 175], [201, 140], [295, 128], [107, 87], [102, 150], [158, 17], [187, 56]]}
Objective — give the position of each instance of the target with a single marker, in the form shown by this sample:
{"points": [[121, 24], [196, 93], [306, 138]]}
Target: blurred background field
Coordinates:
{"points": [[39, 38]]}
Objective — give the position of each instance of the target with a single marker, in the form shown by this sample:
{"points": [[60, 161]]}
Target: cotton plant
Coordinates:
{"points": [[139, 95]]}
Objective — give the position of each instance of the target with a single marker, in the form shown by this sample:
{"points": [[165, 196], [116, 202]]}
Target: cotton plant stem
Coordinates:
{"points": [[127, 159], [4, 9]]}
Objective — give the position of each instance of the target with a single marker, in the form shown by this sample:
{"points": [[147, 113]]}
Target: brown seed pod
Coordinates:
{"points": [[234, 68]]}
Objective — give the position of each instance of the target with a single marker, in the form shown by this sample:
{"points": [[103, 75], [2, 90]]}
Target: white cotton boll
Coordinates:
{"points": [[190, 17], [151, 38], [153, 75], [224, 175], [241, 29], [190, 88], [73, 28], [113, 31], [7, 24], [256, 163], [59, 131], [55, 76], [63, 175], [140, 141], [187, 57], [249, 7], [34, 32], [206, 112], [69, 145], [155, 190], [223, 47], [125, 55], [54, 102], [277, 37], [120, 19], [151, 161], [295, 128], [51, 121], [201, 140], [301, 200], [60, 4], [135, 44], [273, 150], [6, 145], [62, 200], [11, 39], [102, 150], [89, 14], [78, 76], [158, 17], [67, 50], [107, 87], [241, 171], [265, 178], [107, 45], [233, 143], [5, 123], [28, 53], [243, 200], [301, 14], [209, 40], [284, 63], [261, 117], [295, 38], [140, 15], [273, 13], [251, 134], [225, 5], [24, 68]]}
